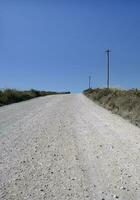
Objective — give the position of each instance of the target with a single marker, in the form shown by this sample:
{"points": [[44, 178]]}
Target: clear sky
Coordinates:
{"points": [[56, 44]]}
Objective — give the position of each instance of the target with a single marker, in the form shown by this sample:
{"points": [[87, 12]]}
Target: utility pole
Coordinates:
{"points": [[108, 67], [89, 82]]}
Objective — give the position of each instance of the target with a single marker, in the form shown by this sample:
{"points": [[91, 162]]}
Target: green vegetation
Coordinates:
{"points": [[9, 96], [123, 102]]}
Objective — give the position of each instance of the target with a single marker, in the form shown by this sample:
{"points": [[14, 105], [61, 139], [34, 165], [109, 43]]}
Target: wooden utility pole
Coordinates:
{"points": [[89, 82], [108, 68]]}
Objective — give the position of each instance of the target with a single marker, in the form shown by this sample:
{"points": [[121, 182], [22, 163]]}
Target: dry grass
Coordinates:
{"points": [[123, 102]]}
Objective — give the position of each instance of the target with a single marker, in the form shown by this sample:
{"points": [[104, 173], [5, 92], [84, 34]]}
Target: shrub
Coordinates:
{"points": [[9, 96]]}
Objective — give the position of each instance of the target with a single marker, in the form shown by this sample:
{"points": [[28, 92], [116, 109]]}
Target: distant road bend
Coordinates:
{"points": [[66, 147]]}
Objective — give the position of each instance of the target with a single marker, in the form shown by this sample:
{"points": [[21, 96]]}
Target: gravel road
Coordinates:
{"points": [[66, 147]]}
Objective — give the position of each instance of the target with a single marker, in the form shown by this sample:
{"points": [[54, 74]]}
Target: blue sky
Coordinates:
{"points": [[56, 44]]}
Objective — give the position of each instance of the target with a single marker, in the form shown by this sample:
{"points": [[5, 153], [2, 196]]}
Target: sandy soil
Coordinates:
{"points": [[66, 147]]}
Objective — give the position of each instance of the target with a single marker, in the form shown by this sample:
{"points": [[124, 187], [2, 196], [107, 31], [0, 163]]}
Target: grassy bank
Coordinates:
{"points": [[9, 96], [123, 102]]}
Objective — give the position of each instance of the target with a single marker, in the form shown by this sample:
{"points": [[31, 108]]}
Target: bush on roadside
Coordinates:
{"points": [[9, 96]]}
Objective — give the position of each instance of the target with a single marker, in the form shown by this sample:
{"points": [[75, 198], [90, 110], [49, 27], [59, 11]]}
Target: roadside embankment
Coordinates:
{"points": [[126, 103], [9, 96]]}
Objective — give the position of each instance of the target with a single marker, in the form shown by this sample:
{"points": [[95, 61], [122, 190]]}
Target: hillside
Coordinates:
{"points": [[123, 102]]}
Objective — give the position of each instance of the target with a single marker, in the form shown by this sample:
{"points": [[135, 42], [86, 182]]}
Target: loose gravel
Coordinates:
{"points": [[66, 147]]}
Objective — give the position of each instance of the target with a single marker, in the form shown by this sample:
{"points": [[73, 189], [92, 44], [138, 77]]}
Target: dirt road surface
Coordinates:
{"points": [[66, 147]]}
